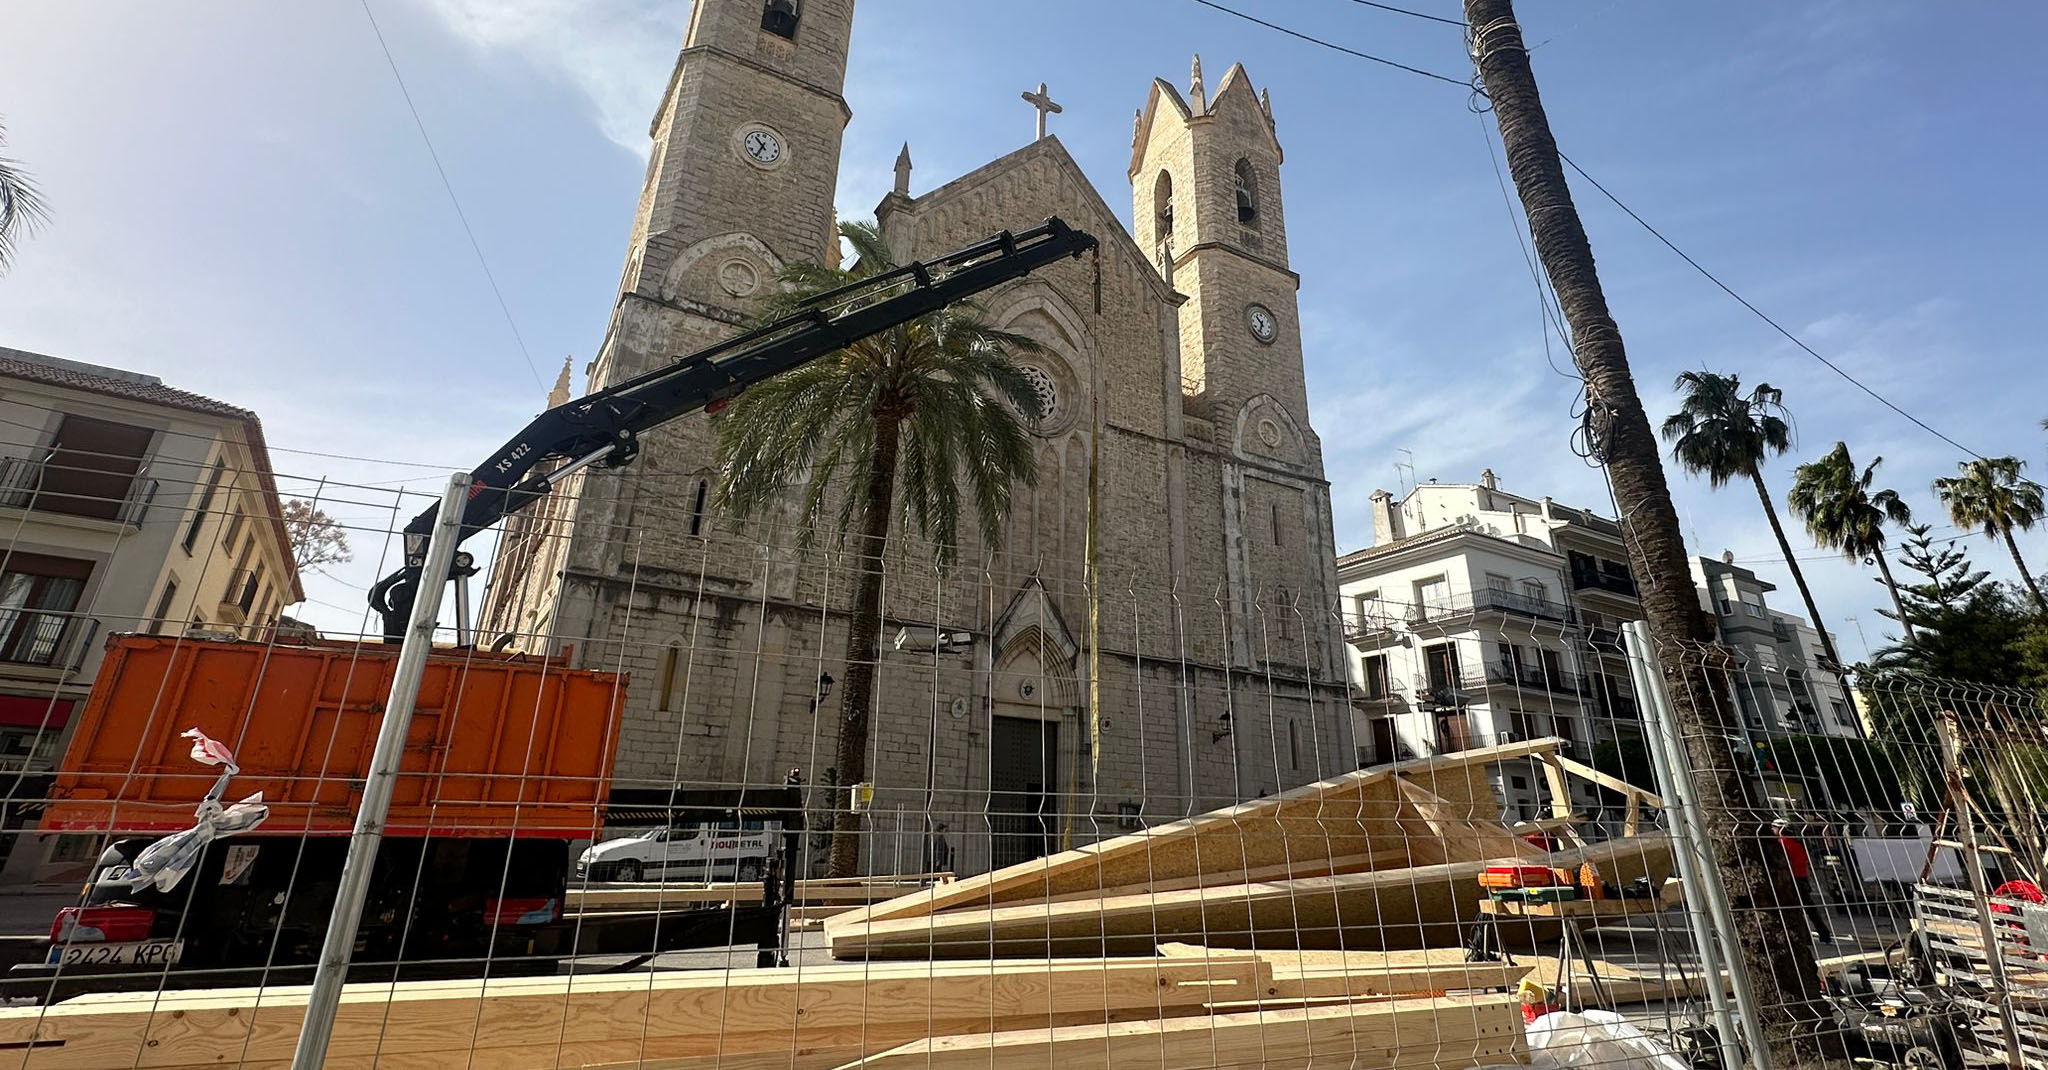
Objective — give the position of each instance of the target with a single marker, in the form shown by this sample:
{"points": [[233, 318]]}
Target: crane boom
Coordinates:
{"points": [[603, 427]]}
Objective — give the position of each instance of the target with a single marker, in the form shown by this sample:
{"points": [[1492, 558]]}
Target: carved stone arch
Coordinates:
{"points": [[1065, 371], [739, 265], [1267, 431]]}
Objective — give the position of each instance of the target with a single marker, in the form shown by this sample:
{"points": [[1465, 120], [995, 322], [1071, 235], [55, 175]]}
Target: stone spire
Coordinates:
{"points": [[903, 171], [1137, 124], [560, 394], [1198, 98]]}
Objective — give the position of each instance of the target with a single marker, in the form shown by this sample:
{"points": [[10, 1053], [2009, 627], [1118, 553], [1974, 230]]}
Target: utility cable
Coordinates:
{"points": [[1463, 83], [452, 199], [1460, 23], [1759, 313], [1472, 85]]}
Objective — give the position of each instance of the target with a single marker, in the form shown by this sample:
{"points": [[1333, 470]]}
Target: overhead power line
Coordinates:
{"points": [[1744, 302], [1472, 86], [452, 198], [1412, 14], [1462, 82]]}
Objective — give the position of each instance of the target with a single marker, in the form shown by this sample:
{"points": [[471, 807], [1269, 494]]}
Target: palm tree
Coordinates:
{"points": [[21, 206], [1842, 512], [1991, 494], [914, 417], [1721, 433], [1758, 883]]}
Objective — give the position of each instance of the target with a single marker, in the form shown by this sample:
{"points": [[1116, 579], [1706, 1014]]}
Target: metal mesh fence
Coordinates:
{"points": [[1097, 818]]}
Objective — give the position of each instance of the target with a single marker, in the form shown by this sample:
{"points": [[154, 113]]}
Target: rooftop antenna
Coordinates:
{"points": [[1404, 471]]}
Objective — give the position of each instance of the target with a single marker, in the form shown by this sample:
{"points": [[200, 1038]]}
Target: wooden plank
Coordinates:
{"points": [[1385, 909], [654, 895], [1462, 839], [1612, 783], [1317, 974], [1319, 867], [1560, 789], [1348, 815], [615, 1018], [1450, 1032]]}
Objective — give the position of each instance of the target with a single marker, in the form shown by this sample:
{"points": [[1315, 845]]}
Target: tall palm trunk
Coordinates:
{"points": [[1892, 585], [2012, 547], [1762, 895], [1827, 645], [864, 638]]}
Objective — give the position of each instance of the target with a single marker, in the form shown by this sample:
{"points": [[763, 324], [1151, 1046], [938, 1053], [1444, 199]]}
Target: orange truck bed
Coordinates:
{"points": [[500, 744]]}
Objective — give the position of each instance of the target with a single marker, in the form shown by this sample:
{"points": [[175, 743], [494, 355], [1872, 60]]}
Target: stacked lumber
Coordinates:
{"points": [[1164, 1011], [1384, 858]]}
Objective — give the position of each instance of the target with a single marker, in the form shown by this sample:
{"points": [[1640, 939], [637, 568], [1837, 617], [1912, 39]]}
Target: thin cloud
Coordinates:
{"points": [[616, 53]]}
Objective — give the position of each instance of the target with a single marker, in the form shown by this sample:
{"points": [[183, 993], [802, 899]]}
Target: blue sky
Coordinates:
{"points": [[243, 206]]}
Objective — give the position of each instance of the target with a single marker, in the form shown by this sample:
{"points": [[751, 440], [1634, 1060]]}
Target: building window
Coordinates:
{"points": [[1535, 591], [1375, 668], [163, 606], [779, 17], [1440, 663], [220, 467], [1294, 745], [92, 467], [697, 508], [1432, 595], [1753, 605], [1247, 192], [1162, 211], [671, 664], [227, 541], [1277, 541], [37, 597]]}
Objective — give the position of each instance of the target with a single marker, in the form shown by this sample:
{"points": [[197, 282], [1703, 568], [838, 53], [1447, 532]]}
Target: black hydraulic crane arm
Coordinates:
{"points": [[603, 427]]}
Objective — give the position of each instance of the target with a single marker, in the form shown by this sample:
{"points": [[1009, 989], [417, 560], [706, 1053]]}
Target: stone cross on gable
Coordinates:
{"points": [[1043, 102]]}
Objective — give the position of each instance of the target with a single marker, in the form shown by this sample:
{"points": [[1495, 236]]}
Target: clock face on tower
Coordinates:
{"points": [[1260, 319], [762, 147]]}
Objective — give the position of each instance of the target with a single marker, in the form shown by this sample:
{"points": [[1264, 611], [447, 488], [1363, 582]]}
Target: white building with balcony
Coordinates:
{"points": [[126, 506], [1783, 687], [1479, 616]]}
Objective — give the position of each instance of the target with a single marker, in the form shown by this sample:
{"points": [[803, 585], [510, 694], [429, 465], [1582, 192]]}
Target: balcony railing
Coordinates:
{"points": [[1535, 677], [21, 487], [1493, 599], [1588, 579], [45, 637]]}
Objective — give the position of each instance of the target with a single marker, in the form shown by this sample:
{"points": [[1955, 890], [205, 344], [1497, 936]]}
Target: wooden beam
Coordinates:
{"points": [[1560, 789], [1346, 815], [1396, 908], [530, 1022], [1452, 1032], [1320, 974], [1612, 783]]}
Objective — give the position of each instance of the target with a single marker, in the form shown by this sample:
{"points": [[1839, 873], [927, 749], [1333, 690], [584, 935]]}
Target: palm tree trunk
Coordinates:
{"points": [[864, 640], [1827, 645], [1898, 606], [1755, 872], [2012, 547]]}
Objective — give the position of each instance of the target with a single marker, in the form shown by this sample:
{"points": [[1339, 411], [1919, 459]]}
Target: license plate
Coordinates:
{"points": [[140, 953]]}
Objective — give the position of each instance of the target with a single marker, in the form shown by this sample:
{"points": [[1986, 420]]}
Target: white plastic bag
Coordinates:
{"points": [[1596, 1040]]}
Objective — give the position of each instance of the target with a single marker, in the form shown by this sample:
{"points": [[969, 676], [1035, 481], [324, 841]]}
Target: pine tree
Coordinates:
{"points": [[1950, 579]]}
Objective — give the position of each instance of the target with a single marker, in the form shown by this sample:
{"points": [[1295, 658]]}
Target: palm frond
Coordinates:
{"points": [[22, 208]]}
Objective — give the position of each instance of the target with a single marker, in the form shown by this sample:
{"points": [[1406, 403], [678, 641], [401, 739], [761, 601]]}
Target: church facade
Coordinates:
{"points": [[1171, 372]]}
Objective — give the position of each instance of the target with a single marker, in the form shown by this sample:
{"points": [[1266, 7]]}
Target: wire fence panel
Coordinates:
{"points": [[1095, 819]]}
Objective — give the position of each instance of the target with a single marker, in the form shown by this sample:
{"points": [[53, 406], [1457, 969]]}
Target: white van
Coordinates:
{"points": [[696, 852]]}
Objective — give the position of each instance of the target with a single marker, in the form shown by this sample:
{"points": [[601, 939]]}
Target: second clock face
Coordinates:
{"points": [[763, 147], [1260, 319]]}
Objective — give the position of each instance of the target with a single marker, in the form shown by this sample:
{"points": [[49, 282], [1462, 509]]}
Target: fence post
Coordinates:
{"points": [[332, 970], [1973, 864], [1649, 685]]}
